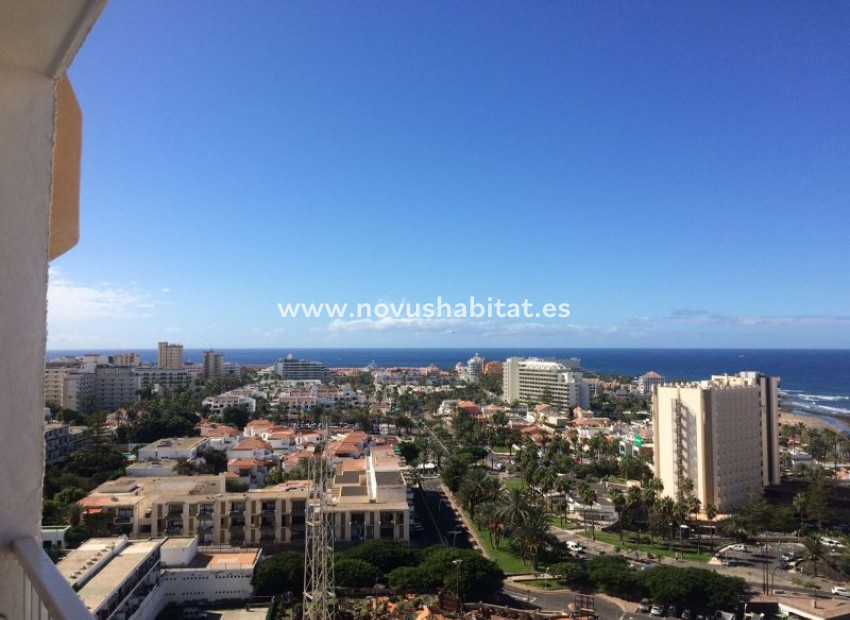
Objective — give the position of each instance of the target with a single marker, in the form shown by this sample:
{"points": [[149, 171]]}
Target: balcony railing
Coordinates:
{"points": [[44, 592]]}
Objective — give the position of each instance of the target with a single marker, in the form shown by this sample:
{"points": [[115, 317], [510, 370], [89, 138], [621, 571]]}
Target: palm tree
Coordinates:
{"points": [[816, 552], [475, 488], [564, 486], [695, 506], [799, 503], [618, 500], [588, 498], [514, 507], [533, 533], [711, 514], [488, 514]]}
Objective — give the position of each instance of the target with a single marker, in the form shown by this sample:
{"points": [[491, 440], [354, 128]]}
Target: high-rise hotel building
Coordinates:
{"points": [[530, 379], [169, 355], [722, 434]]}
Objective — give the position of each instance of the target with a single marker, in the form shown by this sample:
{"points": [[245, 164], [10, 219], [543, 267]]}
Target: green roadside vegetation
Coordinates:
{"points": [[630, 544], [503, 555]]}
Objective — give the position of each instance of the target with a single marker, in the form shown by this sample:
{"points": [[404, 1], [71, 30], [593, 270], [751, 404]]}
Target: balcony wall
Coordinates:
{"points": [[39, 41], [26, 121]]}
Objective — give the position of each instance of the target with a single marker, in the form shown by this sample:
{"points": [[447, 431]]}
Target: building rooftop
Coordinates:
{"points": [[176, 443], [109, 570]]}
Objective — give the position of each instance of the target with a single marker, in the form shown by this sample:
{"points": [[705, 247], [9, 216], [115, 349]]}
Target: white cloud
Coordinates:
{"points": [[704, 317], [69, 302], [464, 326]]}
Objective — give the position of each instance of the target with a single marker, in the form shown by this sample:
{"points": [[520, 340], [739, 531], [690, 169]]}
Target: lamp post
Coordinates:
{"points": [[546, 588], [670, 541], [457, 564]]}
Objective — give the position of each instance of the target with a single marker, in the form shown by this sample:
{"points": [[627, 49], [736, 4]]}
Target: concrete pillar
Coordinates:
{"points": [[27, 112]]}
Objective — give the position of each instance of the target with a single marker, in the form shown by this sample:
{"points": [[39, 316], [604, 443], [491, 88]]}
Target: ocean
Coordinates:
{"points": [[815, 381]]}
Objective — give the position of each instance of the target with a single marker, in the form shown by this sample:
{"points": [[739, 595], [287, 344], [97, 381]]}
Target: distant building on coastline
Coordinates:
{"points": [[213, 364], [169, 355], [647, 380], [532, 379], [722, 434], [291, 369]]}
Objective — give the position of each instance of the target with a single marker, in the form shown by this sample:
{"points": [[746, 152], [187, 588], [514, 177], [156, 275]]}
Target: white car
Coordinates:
{"points": [[739, 547], [574, 546], [841, 591], [657, 610]]}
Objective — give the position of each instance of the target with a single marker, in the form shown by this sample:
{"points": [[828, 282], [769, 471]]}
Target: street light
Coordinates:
{"points": [[454, 534], [546, 588], [457, 564]]}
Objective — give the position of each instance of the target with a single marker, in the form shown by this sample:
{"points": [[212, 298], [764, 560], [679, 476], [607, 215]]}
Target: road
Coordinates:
{"points": [[557, 600]]}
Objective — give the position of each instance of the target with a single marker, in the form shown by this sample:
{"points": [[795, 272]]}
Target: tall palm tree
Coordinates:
{"points": [[476, 486], [799, 502], [588, 498], [816, 551], [490, 517], [618, 500], [533, 534], [514, 507], [711, 514], [564, 486]]}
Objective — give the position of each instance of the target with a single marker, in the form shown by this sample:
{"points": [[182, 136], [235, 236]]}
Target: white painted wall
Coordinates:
{"points": [[26, 131], [186, 585]]}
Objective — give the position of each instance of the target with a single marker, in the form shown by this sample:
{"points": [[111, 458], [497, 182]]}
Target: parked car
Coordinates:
{"points": [[729, 562], [672, 611], [574, 546], [788, 557], [841, 591], [739, 547], [686, 615], [657, 610], [645, 605]]}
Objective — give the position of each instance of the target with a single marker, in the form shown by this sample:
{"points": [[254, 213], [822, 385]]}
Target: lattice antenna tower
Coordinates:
{"points": [[319, 593]]}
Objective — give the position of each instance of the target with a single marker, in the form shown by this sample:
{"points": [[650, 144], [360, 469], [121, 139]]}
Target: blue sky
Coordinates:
{"points": [[679, 173]]}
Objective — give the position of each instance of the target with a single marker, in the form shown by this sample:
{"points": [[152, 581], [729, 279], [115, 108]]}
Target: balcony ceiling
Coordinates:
{"points": [[44, 35]]}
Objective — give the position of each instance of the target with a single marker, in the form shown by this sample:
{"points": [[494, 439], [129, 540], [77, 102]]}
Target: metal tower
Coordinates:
{"points": [[319, 594]]}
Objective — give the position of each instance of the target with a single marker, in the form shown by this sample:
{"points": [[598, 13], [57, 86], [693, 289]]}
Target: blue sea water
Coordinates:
{"points": [[816, 381]]}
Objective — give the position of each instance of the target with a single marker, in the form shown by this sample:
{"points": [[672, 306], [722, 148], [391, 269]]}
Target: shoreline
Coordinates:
{"points": [[812, 420]]}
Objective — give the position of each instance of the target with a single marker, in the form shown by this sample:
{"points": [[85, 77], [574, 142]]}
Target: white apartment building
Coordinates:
{"points": [[166, 378], [179, 448], [118, 578], [291, 369], [647, 380], [722, 434], [529, 379]]}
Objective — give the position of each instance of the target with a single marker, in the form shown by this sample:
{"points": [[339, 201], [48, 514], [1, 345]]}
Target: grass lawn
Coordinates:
{"points": [[542, 584], [555, 521], [657, 549], [518, 483], [504, 556]]}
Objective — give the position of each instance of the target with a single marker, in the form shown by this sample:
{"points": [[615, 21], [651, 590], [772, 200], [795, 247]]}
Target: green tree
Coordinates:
{"points": [[386, 555], [351, 573], [281, 573], [236, 416], [571, 574]]}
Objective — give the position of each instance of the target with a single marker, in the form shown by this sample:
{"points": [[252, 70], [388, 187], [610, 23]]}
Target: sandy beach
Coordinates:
{"points": [[786, 416]]}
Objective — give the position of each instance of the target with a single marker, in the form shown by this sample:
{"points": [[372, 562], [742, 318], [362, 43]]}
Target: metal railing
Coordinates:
{"points": [[45, 594]]}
